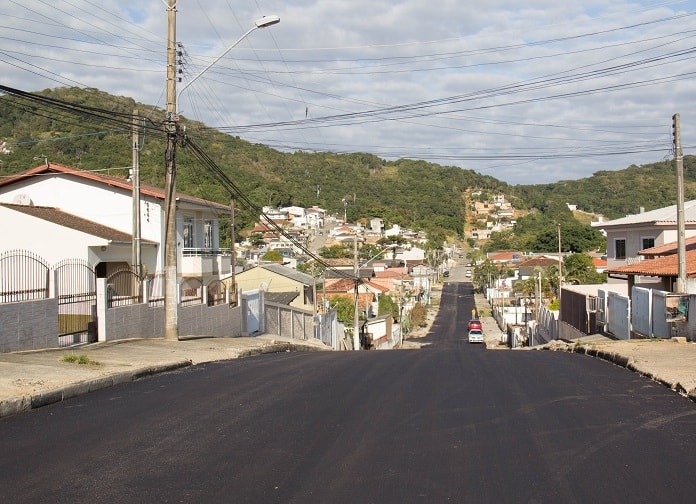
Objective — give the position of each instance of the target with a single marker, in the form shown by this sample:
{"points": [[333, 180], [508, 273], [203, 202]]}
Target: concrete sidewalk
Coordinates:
{"points": [[33, 379]]}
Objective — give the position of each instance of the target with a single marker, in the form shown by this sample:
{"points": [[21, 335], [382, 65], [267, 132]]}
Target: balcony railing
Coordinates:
{"points": [[205, 262]]}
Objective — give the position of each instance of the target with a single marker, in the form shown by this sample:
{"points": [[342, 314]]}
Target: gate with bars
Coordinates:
{"points": [[76, 290]]}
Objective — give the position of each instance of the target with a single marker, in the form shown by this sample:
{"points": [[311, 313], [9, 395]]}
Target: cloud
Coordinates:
{"points": [[528, 93]]}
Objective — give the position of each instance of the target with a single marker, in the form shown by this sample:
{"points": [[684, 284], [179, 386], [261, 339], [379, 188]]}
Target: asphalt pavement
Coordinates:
{"points": [[37, 378], [34, 379]]}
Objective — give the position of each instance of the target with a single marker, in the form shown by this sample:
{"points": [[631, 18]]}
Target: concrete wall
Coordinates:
{"points": [[289, 322], [33, 325], [29, 325]]}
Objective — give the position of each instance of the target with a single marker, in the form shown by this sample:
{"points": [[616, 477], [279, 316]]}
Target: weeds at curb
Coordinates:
{"points": [[81, 359]]}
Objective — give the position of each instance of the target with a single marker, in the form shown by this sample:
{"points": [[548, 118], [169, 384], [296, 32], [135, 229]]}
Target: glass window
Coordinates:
{"points": [[188, 233], [648, 243], [208, 234], [620, 249]]}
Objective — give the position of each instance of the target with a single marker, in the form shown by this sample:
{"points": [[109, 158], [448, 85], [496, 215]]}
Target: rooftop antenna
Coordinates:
{"points": [[45, 158]]}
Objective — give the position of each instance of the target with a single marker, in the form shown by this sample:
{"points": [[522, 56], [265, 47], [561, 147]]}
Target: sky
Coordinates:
{"points": [[526, 91]]}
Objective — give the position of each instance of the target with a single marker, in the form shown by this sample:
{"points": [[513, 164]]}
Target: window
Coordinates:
{"points": [[647, 243], [188, 233], [208, 234], [620, 249]]}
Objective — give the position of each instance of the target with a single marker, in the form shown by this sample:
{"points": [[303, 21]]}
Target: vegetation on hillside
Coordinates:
{"points": [[615, 193], [413, 194], [538, 232]]}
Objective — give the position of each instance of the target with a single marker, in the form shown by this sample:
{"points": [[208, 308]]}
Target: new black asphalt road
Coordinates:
{"points": [[451, 422]]}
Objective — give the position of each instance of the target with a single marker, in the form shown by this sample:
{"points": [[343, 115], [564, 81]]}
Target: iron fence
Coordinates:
{"points": [[24, 276]]}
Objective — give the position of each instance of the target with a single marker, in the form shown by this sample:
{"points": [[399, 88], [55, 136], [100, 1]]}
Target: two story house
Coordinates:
{"points": [[628, 236], [59, 212]]}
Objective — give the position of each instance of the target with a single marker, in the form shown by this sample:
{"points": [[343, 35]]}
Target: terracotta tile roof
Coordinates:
{"points": [[346, 285], [67, 220], [666, 266], [392, 273], [342, 285], [145, 189], [668, 248], [599, 262], [541, 262], [505, 256]]}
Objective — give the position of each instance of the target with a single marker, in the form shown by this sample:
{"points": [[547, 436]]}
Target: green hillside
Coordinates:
{"points": [[414, 194], [616, 193]]}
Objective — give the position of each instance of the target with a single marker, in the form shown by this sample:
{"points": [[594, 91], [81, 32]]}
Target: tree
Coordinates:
{"points": [[272, 256], [256, 240], [387, 306], [338, 251], [580, 268], [313, 268], [345, 309], [418, 315]]}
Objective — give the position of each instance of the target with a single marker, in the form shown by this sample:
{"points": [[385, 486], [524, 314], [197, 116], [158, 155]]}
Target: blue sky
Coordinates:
{"points": [[528, 92]]}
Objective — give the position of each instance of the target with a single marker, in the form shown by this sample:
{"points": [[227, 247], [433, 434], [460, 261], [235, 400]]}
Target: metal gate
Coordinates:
{"points": [[252, 302], [76, 291]]}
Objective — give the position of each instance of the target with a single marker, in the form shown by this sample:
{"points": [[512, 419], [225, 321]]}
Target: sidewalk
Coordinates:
{"points": [[33, 379]]}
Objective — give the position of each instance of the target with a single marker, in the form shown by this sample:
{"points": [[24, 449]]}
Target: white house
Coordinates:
{"points": [[412, 254], [627, 236], [59, 212]]}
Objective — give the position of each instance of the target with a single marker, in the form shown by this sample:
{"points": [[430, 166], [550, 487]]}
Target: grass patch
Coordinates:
{"points": [[81, 359]]}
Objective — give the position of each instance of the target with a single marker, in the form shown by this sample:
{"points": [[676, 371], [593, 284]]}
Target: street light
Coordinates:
{"points": [[171, 126], [259, 23], [356, 318]]}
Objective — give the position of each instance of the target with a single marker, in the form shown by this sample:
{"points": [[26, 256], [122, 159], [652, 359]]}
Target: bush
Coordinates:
{"points": [[418, 315]]}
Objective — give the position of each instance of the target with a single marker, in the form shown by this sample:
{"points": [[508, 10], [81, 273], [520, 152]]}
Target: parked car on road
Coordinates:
{"points": [[475, 336], [475, 324]]}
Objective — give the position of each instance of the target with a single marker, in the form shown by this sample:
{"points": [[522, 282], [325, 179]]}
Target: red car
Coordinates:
{"points": [[475, 324]]}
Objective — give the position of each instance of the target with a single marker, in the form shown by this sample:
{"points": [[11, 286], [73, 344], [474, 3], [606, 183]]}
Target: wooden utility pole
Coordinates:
{"points": [[356, 316], [171, 126], [681, 225]]}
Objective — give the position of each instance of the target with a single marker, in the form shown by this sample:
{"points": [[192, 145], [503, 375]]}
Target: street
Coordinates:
{"points": [[451, 422]]}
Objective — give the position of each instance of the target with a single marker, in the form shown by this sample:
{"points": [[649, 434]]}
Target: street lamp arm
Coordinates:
{"points": [[388, 247], [260, 23]]}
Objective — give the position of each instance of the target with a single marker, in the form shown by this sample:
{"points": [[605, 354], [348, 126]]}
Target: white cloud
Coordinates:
{"points": [[529, 93]]}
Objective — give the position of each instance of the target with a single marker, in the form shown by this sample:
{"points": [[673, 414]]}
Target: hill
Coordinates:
{"points": [[615, 193], [414, 194]]}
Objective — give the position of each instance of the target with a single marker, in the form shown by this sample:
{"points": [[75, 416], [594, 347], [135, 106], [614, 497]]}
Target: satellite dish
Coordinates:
{"points": [[23, 199], [264, 286]]}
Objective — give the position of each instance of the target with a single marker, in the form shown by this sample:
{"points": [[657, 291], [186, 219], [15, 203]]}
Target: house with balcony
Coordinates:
{"points": [[59, 212], [628, 236]]}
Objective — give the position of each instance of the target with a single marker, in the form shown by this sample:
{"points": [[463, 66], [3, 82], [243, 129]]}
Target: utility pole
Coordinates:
{"points": [[681, 225], [560, 267], [136, 261], [171, 126], [356, 317], [233, 250], [538, 298]]}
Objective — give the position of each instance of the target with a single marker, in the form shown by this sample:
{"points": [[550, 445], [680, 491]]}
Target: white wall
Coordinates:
{"points": [[53, 243]]}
